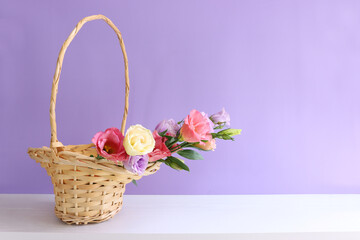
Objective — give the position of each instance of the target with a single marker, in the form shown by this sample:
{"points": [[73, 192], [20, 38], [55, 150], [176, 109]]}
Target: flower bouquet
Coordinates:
{"points": [[140, 146], [89, 179]]}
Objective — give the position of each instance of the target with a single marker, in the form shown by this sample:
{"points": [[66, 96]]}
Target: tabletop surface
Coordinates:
{"points": [[194, 214]]}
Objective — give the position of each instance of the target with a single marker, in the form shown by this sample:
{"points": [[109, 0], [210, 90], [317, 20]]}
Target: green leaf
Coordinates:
{"points": [[226, 134], [230, 132], [178, 147], [177, 164], [168, 163], [98, 157], [91, 155], [220, 125], [168, 137], [171, 141], [225, 137], [164, 161], [134, 182], [163, 134], [215, 135], [190, 154]]}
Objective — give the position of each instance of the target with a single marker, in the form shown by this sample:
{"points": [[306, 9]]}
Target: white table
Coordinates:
{"points": [[249, 217]]}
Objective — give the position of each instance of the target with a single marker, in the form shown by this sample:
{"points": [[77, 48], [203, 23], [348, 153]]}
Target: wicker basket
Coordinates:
{"points": [[86, 190]]}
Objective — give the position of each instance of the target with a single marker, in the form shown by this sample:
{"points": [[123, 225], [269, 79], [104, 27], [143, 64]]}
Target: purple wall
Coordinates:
{"points": [[287, 71]]}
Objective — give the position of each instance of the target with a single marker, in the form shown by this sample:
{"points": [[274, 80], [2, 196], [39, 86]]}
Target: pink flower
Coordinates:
{"points": [[160, 151], [210, 122], [109, 144], [196, 127]]}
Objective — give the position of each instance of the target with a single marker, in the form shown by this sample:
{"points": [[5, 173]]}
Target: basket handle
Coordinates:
{"points": [[54, 141]]}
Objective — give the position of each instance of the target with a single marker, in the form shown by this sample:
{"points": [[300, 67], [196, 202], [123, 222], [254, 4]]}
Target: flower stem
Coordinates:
{"points": [[178, 147]]}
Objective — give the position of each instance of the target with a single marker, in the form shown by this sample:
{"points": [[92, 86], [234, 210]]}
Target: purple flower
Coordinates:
{"points": [[137, 164], [221, 117], [170, 125]]}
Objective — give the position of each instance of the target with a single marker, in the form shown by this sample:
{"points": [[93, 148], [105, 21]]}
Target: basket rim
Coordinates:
{"points": [[67, 156]]}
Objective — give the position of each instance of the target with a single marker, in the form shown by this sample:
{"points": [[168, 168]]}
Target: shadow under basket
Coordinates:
{"points": [[87, 190]]}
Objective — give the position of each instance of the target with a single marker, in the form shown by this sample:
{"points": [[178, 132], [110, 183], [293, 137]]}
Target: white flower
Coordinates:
{"points": [[138, 141]]}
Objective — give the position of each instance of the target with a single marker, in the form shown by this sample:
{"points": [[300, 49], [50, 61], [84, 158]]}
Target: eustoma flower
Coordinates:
{"points": [[137, 164], [221, 118], [210, 122], [169, 125], [109, 144], [138, 141], [196, 128], [209, 145], [141, 146], [160, 150]]}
